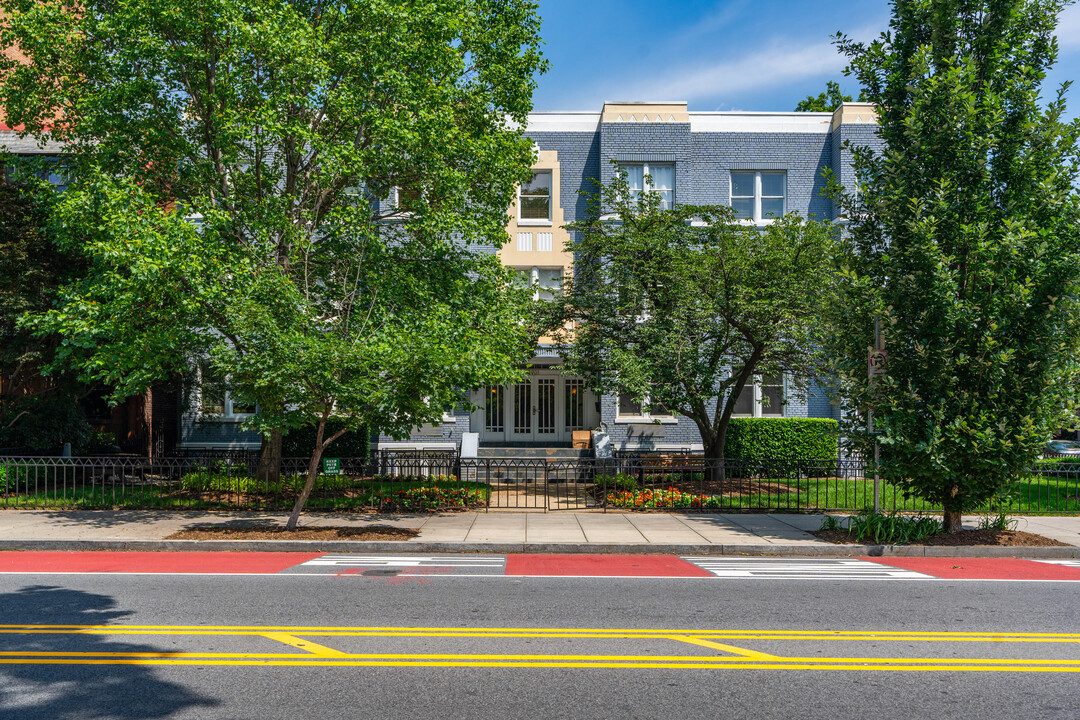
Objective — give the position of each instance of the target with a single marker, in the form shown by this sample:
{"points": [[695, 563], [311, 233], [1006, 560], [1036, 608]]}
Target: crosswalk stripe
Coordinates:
{"points": [[796, 569], [1066, 563], [405, 561]]}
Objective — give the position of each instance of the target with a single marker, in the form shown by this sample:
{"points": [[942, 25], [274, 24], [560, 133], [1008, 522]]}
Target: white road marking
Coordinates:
{"points": [[802, 568], [1067, 563], [388, 561]]}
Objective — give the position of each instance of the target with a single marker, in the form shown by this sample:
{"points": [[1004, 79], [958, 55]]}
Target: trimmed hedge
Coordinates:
{"points": [[782, 439]]}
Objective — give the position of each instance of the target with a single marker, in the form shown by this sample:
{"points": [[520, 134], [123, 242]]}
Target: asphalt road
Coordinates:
{"points": [[245, 647]]}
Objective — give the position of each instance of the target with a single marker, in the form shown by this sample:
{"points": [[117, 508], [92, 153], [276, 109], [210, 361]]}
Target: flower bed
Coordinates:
{"points": [[428, 498], [669, 498]]}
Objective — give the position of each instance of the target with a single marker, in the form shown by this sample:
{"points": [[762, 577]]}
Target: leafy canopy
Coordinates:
{"points": [[685, 306], [963, 240], [282, 127], [827, 101]]}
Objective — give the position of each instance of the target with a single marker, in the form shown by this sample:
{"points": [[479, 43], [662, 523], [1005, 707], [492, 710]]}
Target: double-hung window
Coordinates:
{"points": [[406, 199], [759, 196], [641, 409], [216, 400], [534, 199], [764, 397], [545, 282], [652, 177]]}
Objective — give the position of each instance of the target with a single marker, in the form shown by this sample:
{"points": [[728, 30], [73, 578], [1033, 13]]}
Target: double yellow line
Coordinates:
{"points": [[735, 657]]}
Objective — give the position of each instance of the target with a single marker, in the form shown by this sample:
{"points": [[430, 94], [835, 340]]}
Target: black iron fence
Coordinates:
{"points": [[416, 481]]}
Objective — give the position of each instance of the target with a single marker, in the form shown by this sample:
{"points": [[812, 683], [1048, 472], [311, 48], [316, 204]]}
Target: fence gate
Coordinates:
{"points": [[535, 483]]}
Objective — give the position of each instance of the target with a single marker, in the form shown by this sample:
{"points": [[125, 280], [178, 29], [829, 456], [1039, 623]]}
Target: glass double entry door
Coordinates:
{"points": [[545, 407]]}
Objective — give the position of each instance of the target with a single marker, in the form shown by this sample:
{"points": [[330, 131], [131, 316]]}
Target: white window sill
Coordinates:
{"points": [[534, 223], [643, 420]]}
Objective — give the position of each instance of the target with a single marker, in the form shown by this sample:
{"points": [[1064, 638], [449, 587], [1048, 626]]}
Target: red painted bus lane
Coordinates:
{"points": [[177, 563], [602, 566], [958, 568]]}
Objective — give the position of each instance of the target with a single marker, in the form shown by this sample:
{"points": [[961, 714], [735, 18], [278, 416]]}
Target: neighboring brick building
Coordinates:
{"points": [[762, 163]]}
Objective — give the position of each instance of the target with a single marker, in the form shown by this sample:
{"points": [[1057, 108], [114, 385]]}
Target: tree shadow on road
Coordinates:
{"points": [[79, 690]]}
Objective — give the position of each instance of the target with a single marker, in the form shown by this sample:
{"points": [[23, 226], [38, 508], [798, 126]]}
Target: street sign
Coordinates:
{"points": [[331, 466], [876, 360]]}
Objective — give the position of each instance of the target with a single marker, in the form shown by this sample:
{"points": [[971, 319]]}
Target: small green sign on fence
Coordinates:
{"points": [[331, 466]]}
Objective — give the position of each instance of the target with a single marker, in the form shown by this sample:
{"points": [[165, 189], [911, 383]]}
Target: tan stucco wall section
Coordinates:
{"points": [[557, 257], [854, 113], [645, 112], [560, 238]]}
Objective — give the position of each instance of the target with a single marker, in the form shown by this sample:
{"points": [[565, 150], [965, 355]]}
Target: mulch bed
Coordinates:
{"points": [[277, 532], [1009, 538]]}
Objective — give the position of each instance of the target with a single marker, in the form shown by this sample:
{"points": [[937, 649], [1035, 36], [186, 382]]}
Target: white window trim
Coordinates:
{"points": [[758, 407], [757, 220], [645, 417], [538, 222], [534, 278], [447, 415], [646, 184], [395, 203], [227, 404]]}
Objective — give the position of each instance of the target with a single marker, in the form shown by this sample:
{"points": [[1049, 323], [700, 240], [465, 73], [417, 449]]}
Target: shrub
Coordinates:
{"points": [[782, 439], [616, 483], [244, 484], [782, 447], [891, 529], [299, 442], [41, 425]]}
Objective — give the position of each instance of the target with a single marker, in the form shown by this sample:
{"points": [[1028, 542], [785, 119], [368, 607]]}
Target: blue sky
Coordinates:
{"points": [[718, 54]]}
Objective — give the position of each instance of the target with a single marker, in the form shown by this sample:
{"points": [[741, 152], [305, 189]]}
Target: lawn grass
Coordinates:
{"points": [[1034, 493]]}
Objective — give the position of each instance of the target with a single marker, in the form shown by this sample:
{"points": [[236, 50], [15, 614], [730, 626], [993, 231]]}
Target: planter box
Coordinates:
{"points": [[582, 439]]}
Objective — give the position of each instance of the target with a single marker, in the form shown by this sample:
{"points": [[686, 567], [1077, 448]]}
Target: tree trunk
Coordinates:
{"points": [[714, 464], [313, 469], [270, 459], [952, 522], [312, 473]]}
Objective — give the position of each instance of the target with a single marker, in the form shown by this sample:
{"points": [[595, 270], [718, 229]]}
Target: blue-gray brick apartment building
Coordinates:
{"points": [[763, 164]]}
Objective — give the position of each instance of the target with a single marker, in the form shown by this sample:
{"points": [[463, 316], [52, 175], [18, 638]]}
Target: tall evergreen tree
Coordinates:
{"points": [[963, 240]]}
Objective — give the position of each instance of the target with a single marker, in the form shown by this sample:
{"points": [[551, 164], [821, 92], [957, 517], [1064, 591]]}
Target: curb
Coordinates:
{"points": [[361, 546]]}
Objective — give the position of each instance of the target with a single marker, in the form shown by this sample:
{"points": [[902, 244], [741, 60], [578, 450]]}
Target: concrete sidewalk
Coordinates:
{"points": [[499, 532]]}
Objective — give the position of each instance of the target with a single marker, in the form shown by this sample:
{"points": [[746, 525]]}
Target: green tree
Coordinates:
{"points": [[684, 307], [37, 412], [231, 164], [963, 241], [827, 101]]}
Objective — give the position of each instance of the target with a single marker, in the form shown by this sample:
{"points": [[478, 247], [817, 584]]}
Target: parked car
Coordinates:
{"points": [[1066, 448]]}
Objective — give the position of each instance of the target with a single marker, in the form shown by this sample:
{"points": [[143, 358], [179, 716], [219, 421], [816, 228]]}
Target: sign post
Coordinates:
{"points": [[876, 360]]}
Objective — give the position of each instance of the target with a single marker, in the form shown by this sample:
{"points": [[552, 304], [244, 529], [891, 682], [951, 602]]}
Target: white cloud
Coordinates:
{"points": [[725, 14], [772, 67], [1068, 30]]}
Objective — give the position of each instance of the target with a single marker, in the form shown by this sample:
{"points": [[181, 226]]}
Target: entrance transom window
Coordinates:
{"points": [[544, 407]]}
